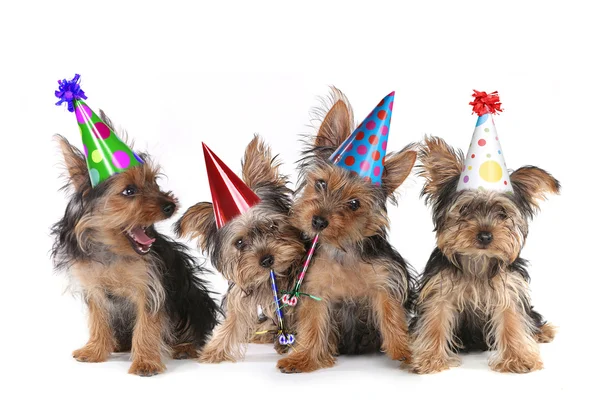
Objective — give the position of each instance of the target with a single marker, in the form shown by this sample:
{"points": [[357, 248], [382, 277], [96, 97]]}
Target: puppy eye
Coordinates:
{"points": [[320, 185], [239, 243], [354, 204], [130, 190], [503, 214], [274, 226]]}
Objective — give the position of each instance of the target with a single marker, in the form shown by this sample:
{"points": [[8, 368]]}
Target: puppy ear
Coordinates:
{"points": [[337, 124], [198, 222], [258, 166], [75, 165], [396, 168], [534, 184], [440, 164]]}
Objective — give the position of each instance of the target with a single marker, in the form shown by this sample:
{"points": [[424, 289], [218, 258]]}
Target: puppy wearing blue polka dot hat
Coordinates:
{"points": [[363, 284], [474, 292]]}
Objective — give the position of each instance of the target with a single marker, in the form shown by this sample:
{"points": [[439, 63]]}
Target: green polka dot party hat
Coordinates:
{"points": [[484, 167], [104, 151]]}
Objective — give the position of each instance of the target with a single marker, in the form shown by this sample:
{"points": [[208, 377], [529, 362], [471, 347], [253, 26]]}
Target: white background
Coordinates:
{"points": [[175, 75]]}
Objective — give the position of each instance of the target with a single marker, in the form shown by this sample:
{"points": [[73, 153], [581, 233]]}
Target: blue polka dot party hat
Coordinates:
{"points": [[484, 166], [364, 150], [104, 152]]}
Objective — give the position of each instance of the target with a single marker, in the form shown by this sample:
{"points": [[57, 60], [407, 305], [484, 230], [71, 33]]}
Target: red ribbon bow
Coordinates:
{"points": [[486, 103]]}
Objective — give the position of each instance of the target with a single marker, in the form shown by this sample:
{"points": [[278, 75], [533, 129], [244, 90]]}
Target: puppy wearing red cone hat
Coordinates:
{"points": [[247, 235]]}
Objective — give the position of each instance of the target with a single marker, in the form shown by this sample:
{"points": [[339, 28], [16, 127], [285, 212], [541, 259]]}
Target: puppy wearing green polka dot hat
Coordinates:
{"points": [[104, 151], [485, 167]]}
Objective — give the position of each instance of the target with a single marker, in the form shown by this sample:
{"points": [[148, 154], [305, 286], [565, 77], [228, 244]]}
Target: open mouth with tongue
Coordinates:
{"points": [[140, 241]]}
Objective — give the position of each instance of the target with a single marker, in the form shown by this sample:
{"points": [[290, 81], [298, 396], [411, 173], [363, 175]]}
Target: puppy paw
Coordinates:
{"points": [[400, 354], [432, 364], [298, 363], [215, 356], [146, 368], [91, 354], [184, 352], [518, 365], [546, 333]]}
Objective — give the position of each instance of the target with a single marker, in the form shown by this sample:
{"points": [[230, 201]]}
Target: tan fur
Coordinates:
{"points": [[445, 296], [392, 319], [119, 270], [229, 339], [250, 282], [546, 333], [147, 342], [534, 183], [134, 282], [345, 226], [337, 123], [313, 350], [195, 223], [184, 351], [101, 342], [337, 273], [259, 166], [334, 281], [75, 164], [440, 164], [501, 218], [517, 350], [397, 167]]}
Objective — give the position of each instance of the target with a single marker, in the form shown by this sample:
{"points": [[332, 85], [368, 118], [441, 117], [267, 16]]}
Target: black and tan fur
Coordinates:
{"points": [[364, 283], [475, 295], [239, 247], [149, 302]]}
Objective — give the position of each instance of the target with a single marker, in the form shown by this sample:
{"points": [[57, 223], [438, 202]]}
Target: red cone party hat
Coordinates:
{"points": [[231, 197]]}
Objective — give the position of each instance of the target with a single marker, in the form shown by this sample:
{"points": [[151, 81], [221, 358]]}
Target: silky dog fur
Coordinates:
{"points": [[364, 283], [474, 293], [147, 299], [244, 250]]}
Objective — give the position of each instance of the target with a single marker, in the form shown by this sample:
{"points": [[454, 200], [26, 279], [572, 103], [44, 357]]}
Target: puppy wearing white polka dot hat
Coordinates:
{"points": [[484, 166], [474, 291]]}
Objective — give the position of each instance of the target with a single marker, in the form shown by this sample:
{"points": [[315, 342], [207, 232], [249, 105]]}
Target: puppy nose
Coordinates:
{"points": [[168, 209], [485, 237], [319, 223], [267, 261]]}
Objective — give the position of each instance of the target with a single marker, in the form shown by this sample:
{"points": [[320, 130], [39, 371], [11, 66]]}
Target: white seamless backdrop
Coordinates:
{"points": [[176, 74]]}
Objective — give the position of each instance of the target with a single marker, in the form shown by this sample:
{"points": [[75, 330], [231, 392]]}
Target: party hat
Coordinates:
{"points": [[105, 153], [364, 150], [231, 197], [484, 166]]}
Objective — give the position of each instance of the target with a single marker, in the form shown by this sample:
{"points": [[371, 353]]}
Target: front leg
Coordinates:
{"points": [[101, 342], [314, 349], [516, 347], [147, 341], [229, 339], [434, 331], [391, 318]]}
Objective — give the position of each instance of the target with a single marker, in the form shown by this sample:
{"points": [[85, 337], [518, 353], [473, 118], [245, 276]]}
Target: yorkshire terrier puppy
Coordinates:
{"points": [[244, 251], [141, 288], [364, 284], [473, 293]]}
